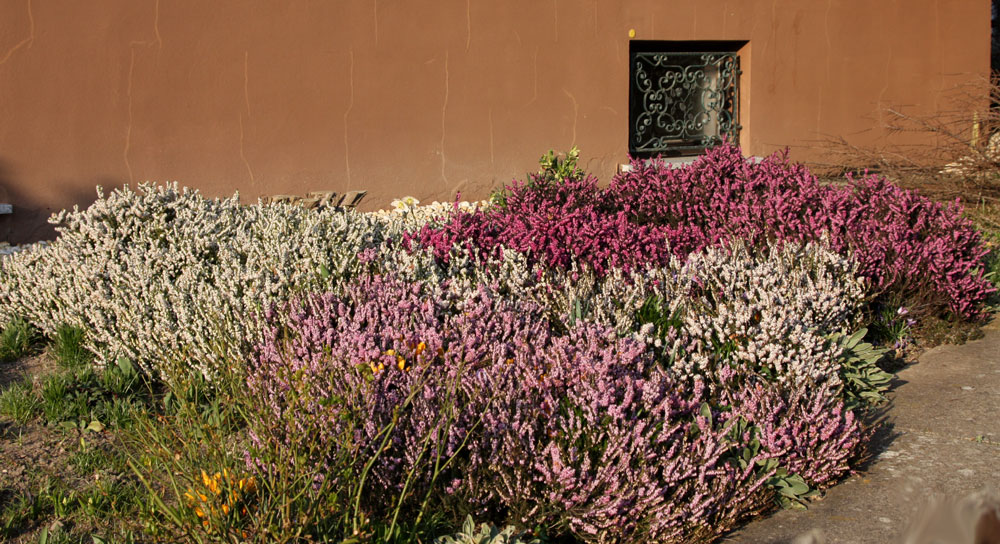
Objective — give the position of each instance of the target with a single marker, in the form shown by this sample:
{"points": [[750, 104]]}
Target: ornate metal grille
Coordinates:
{"points": [[682, 103]]}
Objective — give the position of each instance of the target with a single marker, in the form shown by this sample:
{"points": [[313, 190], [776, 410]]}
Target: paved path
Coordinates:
{"points": [[942, 439]]}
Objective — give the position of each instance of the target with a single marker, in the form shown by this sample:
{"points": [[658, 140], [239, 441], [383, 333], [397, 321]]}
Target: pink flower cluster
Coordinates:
{"points": [[580, 431], [806, 426]]}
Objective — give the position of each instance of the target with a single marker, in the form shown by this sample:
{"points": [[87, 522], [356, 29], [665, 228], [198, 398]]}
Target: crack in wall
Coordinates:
{"points": [[492, 158], [555, 19], [576, 115], [246, 80], [468, 24], [534, 78], [246, 100], [158, 41], [444, 109], [888, 81], [128, 129], [25, 42], [347, 112], [156, 24], [829, 58]]}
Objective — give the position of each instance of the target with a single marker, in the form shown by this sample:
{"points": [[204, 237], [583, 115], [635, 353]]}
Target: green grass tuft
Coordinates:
{"points": [[18, 402], [67, 348], [17, 340]]}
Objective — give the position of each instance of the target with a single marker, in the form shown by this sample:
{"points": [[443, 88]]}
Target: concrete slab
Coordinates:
{"points": [[941, 439]]}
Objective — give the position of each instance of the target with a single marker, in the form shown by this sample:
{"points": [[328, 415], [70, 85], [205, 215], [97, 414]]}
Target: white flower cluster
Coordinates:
{"points": [[177, 282], [409, 209], [770, 311], [168, 277]]}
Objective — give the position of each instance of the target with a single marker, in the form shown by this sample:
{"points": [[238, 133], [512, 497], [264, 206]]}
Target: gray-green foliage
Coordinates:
{"points": [[485, 534], [864, 382]]}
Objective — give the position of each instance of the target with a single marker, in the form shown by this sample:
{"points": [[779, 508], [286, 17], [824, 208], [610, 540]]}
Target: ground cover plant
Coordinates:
{"points": [[654, 361]]}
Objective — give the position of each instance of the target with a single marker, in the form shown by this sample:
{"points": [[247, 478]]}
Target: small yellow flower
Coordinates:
{"points": [[204, 477], [421, 347], [225, 509], [199, 512], [390, 352], [203, 497]]}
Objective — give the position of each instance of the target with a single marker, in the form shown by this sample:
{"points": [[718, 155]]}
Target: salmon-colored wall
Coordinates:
{"points": [[422, 97]]}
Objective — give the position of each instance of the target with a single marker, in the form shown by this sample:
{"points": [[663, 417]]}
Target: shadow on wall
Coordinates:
{"points": [[29, 222]]}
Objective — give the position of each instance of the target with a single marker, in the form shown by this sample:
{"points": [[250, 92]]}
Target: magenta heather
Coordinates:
{"points": [[910, 248], [554, 223]]}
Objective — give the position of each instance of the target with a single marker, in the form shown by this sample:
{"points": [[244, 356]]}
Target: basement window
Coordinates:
{"points": [[683, 96]]}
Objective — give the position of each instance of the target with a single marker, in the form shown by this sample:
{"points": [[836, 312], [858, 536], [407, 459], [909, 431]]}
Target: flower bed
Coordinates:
{"points": [[654, 361]]}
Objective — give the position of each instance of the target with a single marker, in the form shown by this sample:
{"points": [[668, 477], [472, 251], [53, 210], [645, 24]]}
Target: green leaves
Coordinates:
{"points": [[792, 489], [865, 383], [94, 426], [653, 310], [485, 534], [553, 170], [556, 169]]}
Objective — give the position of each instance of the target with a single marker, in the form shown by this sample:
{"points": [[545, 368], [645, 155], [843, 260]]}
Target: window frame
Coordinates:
{"points": [[654, 126]]}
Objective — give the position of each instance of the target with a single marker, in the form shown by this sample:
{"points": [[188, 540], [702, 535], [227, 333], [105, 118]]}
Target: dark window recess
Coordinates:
{"points": [[683, 97]]}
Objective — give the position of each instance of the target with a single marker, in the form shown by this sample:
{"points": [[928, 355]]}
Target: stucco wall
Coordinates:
{"points": [[422, 98]]}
